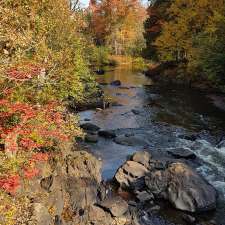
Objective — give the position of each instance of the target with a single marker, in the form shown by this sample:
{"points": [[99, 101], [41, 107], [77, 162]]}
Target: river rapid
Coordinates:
{"points": [[159, 118]]}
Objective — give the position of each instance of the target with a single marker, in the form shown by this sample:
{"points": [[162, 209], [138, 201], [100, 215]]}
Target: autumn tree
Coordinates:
{"points": [[157, 15], [190, 33], [117, 24]]}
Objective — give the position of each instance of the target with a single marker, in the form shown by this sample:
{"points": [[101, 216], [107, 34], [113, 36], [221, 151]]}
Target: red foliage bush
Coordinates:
{"points": [[27, 71], [10, 184], [32, 128]]}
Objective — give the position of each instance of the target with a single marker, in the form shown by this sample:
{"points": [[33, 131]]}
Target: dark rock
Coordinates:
{"points": [[132, 203], [155, 208], [142, 157], [135, 111], [144, 196], [157, 182], [57, 220], [100, 72], [188, 191], [124, 87], [131, 140], [116, 104], [158, 165], [116, 83], [46, 183], [190, 137], [107, 133], [91, 138], [131, 175], [115, 205], [183, 187], [103, 83], [189, 219], [86, 119], [181, 153], [89, 127]]}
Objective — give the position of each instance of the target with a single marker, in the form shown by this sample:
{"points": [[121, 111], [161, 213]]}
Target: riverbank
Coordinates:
{"points": [[170, 73]]}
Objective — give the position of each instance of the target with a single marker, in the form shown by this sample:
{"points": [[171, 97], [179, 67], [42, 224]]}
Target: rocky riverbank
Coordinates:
{"points": [[69, 190]]}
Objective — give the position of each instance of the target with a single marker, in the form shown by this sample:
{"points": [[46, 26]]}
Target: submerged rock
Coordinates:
{"points": [[131, 140], [100, 72], [136, 111], [91, 138], [221, 144], [90, 127], [107, 133], [116, 83], [181, 153]]}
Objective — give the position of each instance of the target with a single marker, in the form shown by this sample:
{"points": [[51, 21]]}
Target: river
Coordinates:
{"points": [[163, 117]]}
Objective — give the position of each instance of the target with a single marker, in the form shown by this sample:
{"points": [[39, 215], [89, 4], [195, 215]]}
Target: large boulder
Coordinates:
{"points": [[189, 191], [131, 175], [82, 164], [183, 187]]}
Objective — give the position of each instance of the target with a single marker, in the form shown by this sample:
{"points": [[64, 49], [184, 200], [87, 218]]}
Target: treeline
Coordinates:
{"points": [[191, 34], [117, 25]]}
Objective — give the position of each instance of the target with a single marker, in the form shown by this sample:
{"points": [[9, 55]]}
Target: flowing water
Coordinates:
{"points": [[163, 117]]}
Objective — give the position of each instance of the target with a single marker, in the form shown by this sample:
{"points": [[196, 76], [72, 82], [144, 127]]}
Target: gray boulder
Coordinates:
{"points": [[188, 191], [183, 187]]}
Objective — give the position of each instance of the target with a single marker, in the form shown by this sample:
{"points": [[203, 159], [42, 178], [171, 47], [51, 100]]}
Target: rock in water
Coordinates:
{"points": [[137, 140], [116, 83], [91, 138], [183, 187], [131, 175], [181, 153], [116, 205], [221, 144], [107, 133], [189, 191], [90, 127], [142, 157]]}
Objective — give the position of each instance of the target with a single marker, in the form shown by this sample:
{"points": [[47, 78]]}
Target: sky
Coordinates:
{"points": [[85, 2]]}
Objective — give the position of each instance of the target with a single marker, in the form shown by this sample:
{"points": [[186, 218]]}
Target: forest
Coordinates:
{"points": [[84, 86]]}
